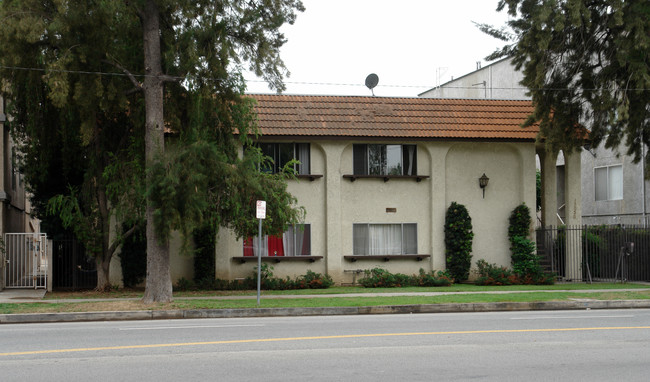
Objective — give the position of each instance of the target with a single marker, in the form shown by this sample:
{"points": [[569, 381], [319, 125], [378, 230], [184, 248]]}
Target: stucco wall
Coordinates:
{"points": [[508, 170], [335, 203]]}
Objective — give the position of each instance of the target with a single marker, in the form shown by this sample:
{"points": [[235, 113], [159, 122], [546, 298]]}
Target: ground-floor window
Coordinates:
{"points": [[295, 241], [385, 239]]}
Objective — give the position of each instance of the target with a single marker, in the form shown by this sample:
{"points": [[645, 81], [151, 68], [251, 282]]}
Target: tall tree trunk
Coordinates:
{"points": [[103, 258], [103, 276], [158, 286]]}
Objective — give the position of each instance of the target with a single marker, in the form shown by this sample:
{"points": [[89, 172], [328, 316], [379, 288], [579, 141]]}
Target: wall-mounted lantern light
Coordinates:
{"points": [[483, 182]]}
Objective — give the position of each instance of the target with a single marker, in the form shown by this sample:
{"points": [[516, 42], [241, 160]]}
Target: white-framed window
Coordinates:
{"points": [[295, 241], [385, 239], [283, 153], [608, 182], [382, 159]]}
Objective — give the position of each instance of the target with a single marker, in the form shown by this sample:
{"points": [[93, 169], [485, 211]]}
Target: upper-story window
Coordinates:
{"points": [[608, 182], [382, 159], [283, 153]]}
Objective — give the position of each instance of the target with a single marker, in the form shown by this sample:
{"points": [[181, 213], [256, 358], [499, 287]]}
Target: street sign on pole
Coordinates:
{"points": [[261, 209], [261, 214]]}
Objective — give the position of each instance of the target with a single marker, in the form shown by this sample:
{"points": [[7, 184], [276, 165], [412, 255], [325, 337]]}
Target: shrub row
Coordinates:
{"points": [[310, 280], [381, 278], [492, 274]]}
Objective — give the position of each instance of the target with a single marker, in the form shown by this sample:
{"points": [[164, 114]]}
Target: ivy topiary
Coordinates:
{"points": [[458, 241], [520, 222], [525, 261]]}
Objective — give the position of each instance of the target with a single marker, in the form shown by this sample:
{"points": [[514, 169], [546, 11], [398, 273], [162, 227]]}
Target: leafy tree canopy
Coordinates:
{"points": [[586, 64], [169, 66]]}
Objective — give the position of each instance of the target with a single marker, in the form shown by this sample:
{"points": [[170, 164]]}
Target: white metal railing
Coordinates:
{"points": [[26, 260]]}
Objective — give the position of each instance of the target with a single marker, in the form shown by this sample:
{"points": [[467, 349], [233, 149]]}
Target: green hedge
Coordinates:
{"points": [[310, 280], [381, 278]]}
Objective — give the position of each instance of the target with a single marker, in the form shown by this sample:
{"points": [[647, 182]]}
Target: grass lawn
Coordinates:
{"points": [[136, 293], [471, 294]]}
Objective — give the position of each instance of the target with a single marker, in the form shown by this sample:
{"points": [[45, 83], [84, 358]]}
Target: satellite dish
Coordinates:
{"points": [[371, 81]]}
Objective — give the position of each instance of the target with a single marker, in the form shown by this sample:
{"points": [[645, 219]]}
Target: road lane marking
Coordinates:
{"points": [[568, 317], [187, 327], [260, 340]]}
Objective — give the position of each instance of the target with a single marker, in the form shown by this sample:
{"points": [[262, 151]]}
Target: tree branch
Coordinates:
{"points": [[125, 236], [138, 85]]}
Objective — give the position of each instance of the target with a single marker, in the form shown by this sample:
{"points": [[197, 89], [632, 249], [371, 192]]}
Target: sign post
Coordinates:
{"points": [[261, 215]]}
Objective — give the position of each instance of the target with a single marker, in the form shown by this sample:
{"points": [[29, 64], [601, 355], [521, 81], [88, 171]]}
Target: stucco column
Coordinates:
{"points": [[573, 202], [333, 176], [529, 184], [549, 187], [438, 153]]}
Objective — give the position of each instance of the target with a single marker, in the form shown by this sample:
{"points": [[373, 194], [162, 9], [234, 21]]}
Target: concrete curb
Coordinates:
{"points": [[321, 311]]}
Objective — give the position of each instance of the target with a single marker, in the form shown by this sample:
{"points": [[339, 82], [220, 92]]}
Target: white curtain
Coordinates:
{"points": [[265, 245], [293, 240], [299, 238], [410, 239], [600, 180], [385, 239], [288, 242], [615, 182], [360, 239], [394, 160]]}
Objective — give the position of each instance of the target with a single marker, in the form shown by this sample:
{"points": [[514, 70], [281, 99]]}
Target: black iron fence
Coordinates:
{"points": [[73, 269], [596, 253]]}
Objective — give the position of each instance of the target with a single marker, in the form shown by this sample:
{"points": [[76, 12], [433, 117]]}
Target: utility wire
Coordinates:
{"points": [[83, 72], [289, 82]]}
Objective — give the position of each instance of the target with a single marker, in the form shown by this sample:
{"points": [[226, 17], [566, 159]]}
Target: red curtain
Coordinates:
{"points": [[248, 247], [275, 245], [276, 248]]}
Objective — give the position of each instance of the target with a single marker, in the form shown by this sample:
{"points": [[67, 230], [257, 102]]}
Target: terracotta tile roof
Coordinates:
{"points": [[386, 117]]}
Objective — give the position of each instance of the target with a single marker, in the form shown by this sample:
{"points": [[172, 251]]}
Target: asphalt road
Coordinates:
{"points": [[593, 345]]}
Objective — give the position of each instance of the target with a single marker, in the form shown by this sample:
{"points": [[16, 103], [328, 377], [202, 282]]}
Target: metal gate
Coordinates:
{"points": [[72, 268], [26, 257]]}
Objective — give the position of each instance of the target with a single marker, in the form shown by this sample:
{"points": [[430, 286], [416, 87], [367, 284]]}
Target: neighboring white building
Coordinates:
{"points": [[612, 185], [497, 80]]}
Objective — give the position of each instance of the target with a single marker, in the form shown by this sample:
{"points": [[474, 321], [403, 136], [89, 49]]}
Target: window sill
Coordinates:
{"points": [[386, 178], [277, 259], [354, 258], [311, 177]]}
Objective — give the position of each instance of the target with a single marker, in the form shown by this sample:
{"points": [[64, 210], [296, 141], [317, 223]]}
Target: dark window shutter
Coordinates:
{"points": [[360, 159]]}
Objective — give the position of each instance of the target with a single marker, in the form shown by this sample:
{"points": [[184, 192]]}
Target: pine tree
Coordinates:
{"points": [[586, 65]]}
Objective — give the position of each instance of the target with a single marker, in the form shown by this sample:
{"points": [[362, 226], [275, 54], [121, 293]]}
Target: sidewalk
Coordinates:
{"points": [[31, 296], [37, 295], [21, 295]]}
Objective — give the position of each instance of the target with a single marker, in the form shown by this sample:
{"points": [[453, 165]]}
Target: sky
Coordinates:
{"points": [[411, 45]]}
